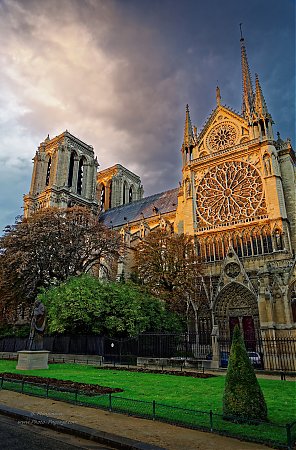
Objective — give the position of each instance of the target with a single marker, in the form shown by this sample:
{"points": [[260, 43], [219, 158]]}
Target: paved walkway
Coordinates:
{"points": [[156, 433], [16, 435]]}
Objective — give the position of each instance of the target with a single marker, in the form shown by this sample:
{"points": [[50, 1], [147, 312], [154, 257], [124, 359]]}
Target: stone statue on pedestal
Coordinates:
{"points": [[37, 326]]}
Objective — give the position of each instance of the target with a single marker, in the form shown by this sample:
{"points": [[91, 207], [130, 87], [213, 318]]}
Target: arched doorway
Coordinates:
{"points": [[237, 305]]}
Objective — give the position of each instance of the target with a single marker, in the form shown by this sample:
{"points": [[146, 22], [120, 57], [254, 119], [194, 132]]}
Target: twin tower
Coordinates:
{"points": [[65, 174]]}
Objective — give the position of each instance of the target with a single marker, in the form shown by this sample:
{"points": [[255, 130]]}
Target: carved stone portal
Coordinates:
{"points": [[237, 305]]}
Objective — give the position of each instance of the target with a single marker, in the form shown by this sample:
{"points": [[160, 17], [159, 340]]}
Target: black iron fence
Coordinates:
{"points": [[75, 344], [160, 345], [268, 354], [279, 435]]}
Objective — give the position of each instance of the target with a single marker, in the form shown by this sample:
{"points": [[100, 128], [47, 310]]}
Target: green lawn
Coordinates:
{"points": [[185, 392], [182, 392]]}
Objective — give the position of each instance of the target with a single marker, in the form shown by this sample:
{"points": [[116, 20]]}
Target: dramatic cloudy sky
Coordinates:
{"points": [[118, 74]]}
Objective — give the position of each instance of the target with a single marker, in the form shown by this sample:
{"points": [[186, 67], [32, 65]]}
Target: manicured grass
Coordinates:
{"points": [[184, 392]]}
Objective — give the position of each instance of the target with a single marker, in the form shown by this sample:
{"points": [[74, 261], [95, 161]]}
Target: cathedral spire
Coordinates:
{"points": [[248, 93], [260, 103], [218, 96], [188, 132]]}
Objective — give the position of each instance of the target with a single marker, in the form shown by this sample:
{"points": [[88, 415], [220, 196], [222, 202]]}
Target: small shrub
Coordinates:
{"points": [[243, 398]]}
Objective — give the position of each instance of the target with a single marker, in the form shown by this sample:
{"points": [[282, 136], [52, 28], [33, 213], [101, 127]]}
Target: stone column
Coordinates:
{"points": [[33, 181], [85, 188], [54, 172]]}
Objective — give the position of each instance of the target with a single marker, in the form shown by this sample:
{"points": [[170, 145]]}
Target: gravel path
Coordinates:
{"points": [[157, 433]]}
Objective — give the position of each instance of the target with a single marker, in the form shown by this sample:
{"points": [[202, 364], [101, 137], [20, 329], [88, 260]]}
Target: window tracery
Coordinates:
{"points": [[229, 192], [222, 136]]}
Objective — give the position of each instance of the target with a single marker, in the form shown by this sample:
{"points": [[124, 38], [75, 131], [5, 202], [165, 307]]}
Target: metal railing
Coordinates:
{"points": [[277, 354], [268, 354], [278, 435]]}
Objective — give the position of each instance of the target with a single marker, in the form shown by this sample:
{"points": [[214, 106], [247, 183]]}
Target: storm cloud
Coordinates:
{"points": [[118, 74]]}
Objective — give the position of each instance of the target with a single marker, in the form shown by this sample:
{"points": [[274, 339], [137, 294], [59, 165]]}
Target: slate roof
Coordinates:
{"points": [[161, 203]]}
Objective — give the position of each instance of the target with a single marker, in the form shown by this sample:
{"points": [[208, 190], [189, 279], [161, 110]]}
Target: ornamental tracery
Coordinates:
{"points": [[222, 136], [229, 192]]}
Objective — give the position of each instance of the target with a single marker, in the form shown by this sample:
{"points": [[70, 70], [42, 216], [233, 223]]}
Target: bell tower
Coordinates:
{"points": [[64, 175]]}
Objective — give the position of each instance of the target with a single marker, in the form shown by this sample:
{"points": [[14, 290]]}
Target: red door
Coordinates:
{"points": [[249, 333]]}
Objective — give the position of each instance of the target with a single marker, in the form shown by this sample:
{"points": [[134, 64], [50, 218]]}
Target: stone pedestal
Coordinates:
{"points": [[32, 359]]}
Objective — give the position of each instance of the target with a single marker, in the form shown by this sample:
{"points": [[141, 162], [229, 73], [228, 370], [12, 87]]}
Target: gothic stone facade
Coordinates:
{"points": [[237, 198], [118, 186], [64, 174]]}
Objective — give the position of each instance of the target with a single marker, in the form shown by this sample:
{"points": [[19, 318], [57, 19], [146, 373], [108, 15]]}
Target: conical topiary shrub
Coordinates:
{"points": [[243, 398]]}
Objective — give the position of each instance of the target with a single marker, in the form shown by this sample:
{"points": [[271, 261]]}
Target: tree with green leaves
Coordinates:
{"points": [[243, 398], [86, 304]]}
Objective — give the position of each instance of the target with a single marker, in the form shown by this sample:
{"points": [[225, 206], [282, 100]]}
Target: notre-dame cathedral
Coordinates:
{"points": [[237, 198]]}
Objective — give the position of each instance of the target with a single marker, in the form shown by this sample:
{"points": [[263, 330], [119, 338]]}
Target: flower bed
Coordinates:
{"points": [[88, 389]]}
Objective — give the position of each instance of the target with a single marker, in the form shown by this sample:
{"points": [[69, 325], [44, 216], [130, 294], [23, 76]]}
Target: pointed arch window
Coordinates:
{"points": [[247, 245], [226, 244], [266, 241], [238, 245], [130, 194], [71, 169], [256, 241], [124, 193], [198, 248], [219, 251], [262, 127], [80, 176], [48, 172], [269, 243], [102, 198], [209, 250]]}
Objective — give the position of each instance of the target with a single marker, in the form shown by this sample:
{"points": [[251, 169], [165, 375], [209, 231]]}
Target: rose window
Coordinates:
{"points": [[229, 192], [222, 136], [232, 270]]}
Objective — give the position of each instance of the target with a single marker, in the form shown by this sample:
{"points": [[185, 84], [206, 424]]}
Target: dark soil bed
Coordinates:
{"points": [[88, 389], [178, 373]]}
